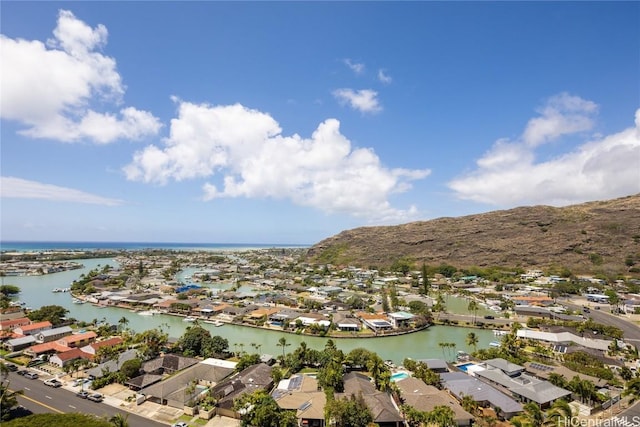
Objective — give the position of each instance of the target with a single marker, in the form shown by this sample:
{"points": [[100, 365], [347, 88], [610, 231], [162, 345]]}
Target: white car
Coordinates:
{"points": [[180, 424]]}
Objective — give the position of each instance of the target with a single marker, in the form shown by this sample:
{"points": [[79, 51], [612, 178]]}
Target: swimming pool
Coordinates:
{"points": [[399, 376], [464, 367]]}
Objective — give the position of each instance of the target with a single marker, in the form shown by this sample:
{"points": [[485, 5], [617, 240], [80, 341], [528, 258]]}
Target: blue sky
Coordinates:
{"points": [[288, 122]]}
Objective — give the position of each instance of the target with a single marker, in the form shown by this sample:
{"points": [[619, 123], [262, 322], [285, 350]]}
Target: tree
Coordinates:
{"points": [[122, 323], [533, 415], [53, 313], [560, 413], [119, 420], [442, 416], [131, 368], [473, 307], [426, 286], [8, 397], [282, 342], [194, 341], [632, 388], [472, 340], [469, 404], [259, 409], [351, 412]]}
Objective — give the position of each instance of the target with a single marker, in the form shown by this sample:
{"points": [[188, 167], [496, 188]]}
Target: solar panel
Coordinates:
{"points": [[304, 406], [294, 383]]}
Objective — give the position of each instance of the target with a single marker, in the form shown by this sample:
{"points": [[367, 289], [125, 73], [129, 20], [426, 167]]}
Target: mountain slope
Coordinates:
{"points": [[601, 236]]}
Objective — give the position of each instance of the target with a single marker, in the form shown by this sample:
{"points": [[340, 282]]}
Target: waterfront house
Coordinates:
{"points": [[11, 324], [400, 319], [415, 393], [438, 366], [375, 321], [33, 328], [460, 384], [524, 387]]}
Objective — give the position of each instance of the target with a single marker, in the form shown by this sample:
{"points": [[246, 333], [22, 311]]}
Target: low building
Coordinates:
{"points": [[49, 335], [383, 408], [256, 377], [33, 328], [460, 384], [300, 393], [425, 398]]}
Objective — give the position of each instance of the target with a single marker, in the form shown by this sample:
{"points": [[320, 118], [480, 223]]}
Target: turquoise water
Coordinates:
{"points": [[36, 292], [465, 366], [399, 376]]}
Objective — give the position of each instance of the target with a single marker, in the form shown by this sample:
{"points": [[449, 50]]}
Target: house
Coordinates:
{"points": [[425, 398], [255, 377], [20, 343], [375, 321], [438, 366], [11, 324], [61, 359], [385, 412], [54, 334], [33, 328], [460, 384], [400, 319], [92, 348], [300, 393], [168, 364], [112, 365], [172, 391], [522, 386]]}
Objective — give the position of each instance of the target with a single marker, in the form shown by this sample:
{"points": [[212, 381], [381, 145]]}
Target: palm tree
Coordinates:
{"points": [[533, 415], [560, 413], [632, 388], [283, 343], [473, 307], [119, 420], [122, 323], [472, 340]]}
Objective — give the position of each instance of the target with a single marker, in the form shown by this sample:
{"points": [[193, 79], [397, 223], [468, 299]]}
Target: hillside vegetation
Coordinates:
{"points": [[595, 237]]}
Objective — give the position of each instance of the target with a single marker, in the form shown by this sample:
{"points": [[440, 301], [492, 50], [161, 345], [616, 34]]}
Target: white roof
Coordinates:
{"points": [[564, 337]]}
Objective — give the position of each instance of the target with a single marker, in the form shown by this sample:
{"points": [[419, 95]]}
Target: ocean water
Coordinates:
{"points": [[18, 246]]}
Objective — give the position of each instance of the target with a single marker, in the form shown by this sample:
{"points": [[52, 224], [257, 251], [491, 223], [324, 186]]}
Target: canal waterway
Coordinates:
{"points": [[37, 292]]}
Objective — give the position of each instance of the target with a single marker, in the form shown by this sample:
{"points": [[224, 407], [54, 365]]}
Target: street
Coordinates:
{"points": [[40, 398]]}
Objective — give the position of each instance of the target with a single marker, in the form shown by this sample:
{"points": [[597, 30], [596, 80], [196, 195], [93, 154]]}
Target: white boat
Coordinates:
{"points": [[214, 322], [189, 319], [148, 312], [77, 301]]}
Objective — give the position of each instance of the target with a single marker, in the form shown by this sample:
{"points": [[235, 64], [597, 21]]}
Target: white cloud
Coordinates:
{"points": [[384, 77], [17, 188], [246, 149], [563, 114], [50, 88], [598, 169], [364, 100], [356, 67]]}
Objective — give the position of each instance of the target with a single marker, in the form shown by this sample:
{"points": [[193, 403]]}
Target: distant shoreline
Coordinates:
{"points": [[68, 246]]}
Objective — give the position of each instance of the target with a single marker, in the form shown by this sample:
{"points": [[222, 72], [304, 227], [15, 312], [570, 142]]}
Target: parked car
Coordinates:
{"points": [[96, 397], [11, 367], [490, 317], [22, 372], [31, 375], [79, 381], [82, 394], [53, 382], [180, 424]]}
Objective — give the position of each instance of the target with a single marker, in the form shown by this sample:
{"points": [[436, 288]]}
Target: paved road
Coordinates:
{"points": [[39, 398], [630, 330]]}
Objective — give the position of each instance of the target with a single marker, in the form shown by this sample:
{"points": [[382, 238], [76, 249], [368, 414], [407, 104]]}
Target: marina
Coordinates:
{"points": [[418, 345]]}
